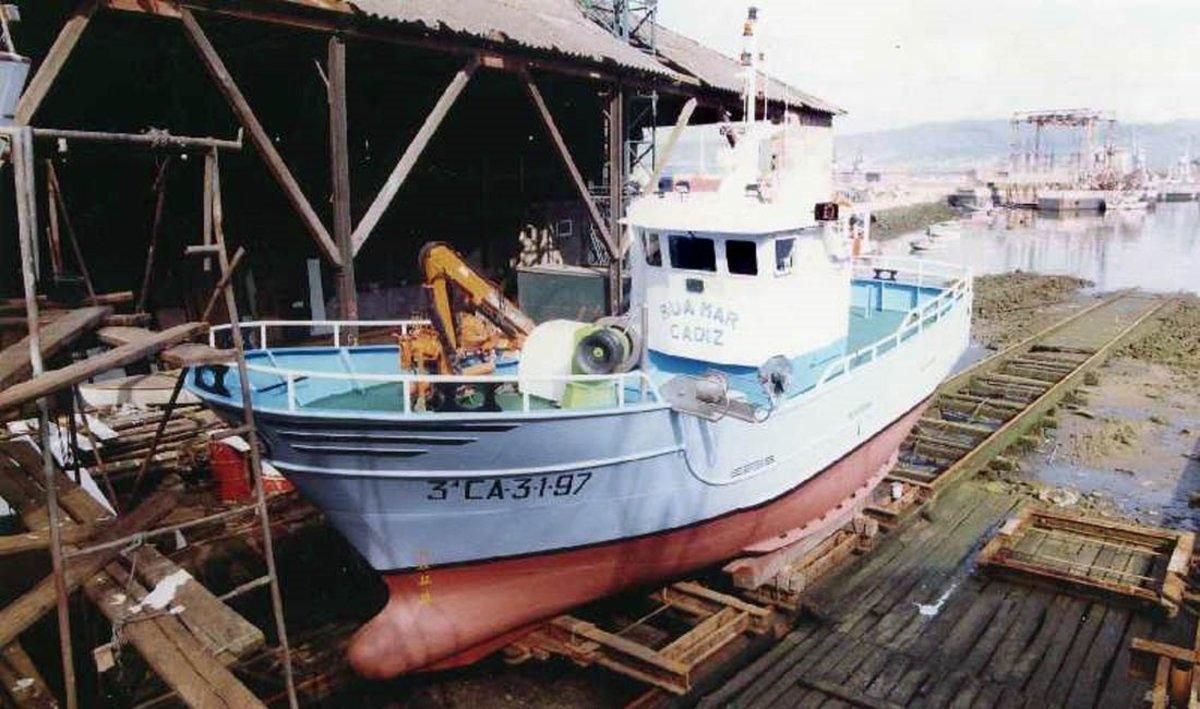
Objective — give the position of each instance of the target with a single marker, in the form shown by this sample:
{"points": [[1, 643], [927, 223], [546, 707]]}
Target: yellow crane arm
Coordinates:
{"points": [[443, 267]]}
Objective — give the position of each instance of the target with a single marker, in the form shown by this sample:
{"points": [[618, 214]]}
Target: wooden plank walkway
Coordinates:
{"points": [[915, 624]]}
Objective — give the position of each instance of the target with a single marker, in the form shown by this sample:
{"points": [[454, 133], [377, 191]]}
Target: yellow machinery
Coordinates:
{"points": [[483, 322]]}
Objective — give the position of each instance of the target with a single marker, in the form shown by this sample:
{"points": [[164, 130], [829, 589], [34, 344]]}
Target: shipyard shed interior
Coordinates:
{"points": [[490, 181]]}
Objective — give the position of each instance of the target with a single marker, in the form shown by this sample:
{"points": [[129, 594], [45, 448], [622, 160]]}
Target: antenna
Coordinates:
{"points": [[749, 66]]}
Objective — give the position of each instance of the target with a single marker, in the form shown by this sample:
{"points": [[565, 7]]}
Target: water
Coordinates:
{"points": [[1157, 250]]}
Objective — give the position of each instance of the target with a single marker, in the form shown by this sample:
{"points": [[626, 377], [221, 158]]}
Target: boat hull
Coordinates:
{"points": [[436, 616]]}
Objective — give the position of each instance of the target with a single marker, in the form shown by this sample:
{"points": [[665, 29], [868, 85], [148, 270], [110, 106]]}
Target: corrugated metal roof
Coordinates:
{"points": [[557, 26], [720, 71]]}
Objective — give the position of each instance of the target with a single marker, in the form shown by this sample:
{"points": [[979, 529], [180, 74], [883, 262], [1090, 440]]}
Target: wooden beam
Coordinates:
{"points": [[53, 337], [552, 129], [1179, 654], [339, 168], [40, 539], [56, 379], [413, 152], [206, 207], [258, 135], [22, 680], [616, 195], [16, 617], [160, 196], [219, 289], [59, 204], [56, 57]]}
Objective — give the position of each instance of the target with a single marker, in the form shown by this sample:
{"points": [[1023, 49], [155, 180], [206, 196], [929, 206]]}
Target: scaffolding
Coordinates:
{"points": [[632, 113]]}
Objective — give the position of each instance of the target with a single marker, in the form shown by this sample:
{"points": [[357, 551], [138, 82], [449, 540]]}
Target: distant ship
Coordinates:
{"points": [[761, 376]]}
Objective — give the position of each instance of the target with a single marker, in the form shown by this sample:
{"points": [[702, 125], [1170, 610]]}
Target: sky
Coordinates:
{"points": [[892, 63]]}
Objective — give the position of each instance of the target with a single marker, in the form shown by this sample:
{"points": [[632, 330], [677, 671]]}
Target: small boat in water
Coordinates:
{"points": [[936, 237], [761, 377]]}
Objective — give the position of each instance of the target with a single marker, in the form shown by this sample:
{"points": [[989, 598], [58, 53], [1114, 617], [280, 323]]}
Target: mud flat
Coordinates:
{"points": [[1012, 306], [894, 221], [1128, 444]]}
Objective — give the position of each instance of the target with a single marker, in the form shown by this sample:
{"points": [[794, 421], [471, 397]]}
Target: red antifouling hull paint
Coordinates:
{"points": [[441, 617]]}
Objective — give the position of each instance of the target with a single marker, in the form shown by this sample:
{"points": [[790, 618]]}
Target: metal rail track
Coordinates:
{"points": [[982, 411]]}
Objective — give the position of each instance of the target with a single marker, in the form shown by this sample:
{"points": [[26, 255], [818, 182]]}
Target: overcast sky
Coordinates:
{"points": [[891, 63]]}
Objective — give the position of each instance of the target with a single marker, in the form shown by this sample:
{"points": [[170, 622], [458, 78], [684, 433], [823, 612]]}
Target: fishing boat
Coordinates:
{"points": [[761, 377]]}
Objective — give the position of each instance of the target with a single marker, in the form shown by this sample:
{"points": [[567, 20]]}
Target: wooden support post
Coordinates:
{"points": [[552, 129], [56, 262], [56, 57], [413, 152], [160, 196], [206, 237], [60, 207], [158, 433], [258, 135], [616, 195], [219, 289], [21, 150], [339, 167]]}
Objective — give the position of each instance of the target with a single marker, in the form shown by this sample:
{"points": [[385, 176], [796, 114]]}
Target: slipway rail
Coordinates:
{"points": [[982, 411]]}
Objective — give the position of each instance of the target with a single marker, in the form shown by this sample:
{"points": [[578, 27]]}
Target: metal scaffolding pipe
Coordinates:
{"points": [[151, 139]]}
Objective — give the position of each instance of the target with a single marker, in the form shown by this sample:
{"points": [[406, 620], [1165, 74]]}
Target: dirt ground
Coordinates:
{"points": [[1129, 443], [1010, 307], [896, 221]]}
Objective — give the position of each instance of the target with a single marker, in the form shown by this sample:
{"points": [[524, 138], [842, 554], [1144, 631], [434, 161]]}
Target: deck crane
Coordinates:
{"points": [[484, 322]]}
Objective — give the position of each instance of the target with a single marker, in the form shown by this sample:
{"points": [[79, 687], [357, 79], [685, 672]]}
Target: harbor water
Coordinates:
{"points": [[1156, 250]]}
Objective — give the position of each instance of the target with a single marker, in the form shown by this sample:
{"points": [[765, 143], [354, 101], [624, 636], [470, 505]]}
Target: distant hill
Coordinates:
{"points": [[969, 143]]}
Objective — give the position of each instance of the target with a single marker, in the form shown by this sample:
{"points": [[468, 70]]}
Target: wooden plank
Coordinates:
{"points": [[17, 616], [174, 655], [54, 337], [413, 152], [56, 379], [56, 57], [258, 135], [852, 698], [226, 635], [565, 154], [117, 335], [38, 540], [21, 680]]}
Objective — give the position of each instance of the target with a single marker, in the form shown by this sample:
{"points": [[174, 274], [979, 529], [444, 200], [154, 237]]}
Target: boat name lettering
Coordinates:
{"points": [[518, 488], [752, 467], [717, 319]]}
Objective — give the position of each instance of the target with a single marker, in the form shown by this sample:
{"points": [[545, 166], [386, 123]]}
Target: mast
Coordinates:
{"points": [[750, 66]]}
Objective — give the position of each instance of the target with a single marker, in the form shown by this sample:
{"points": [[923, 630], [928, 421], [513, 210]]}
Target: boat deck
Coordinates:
{"points": [[915, 623]]}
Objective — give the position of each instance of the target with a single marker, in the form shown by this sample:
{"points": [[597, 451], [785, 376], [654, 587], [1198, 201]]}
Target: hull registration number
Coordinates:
{"points": [[516, 488]]}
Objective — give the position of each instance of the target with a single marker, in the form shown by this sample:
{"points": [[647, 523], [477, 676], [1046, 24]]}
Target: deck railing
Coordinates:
{"points": [[336, 328], [954, 280]]}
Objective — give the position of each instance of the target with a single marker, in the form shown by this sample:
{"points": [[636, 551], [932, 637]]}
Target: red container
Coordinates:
{"points": [[229, 470]]}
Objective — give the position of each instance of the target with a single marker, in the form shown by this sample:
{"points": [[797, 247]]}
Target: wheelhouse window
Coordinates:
{"points": [[653, 249], [785, 251], [741, 257], [693, 253]]}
